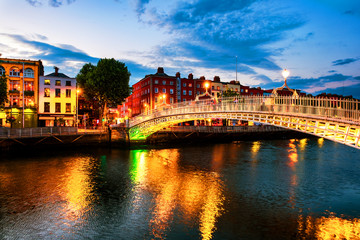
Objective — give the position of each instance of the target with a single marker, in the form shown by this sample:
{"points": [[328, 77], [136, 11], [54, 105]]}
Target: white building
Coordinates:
{"points": [[57, 100]]}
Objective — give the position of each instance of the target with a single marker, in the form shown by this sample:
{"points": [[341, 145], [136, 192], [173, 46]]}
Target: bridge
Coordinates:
{"points": [[334, 119]]}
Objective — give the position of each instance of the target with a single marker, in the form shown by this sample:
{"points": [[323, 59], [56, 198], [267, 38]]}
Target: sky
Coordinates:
{"points": [[318, 41]]}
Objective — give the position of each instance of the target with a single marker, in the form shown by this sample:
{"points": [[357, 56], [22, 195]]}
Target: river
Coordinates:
{"points": [[278, 189]]}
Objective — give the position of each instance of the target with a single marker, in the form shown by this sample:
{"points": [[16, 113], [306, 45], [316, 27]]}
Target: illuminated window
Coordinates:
{"points": [[57, 82], [68, 107], [47, 82], [190, 84], [47, 92]]}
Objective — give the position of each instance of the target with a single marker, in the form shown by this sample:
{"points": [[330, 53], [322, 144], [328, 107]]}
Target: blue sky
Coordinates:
{"points": [[317, 40]]}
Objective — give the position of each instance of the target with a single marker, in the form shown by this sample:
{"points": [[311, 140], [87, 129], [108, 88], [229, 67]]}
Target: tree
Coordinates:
{"points": [[230, 93], [107, 82], [3, 90]]}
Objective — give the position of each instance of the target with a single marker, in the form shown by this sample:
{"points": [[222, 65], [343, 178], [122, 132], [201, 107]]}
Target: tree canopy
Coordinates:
{"points": [[230, 93], [3, 89], [107, 82]]}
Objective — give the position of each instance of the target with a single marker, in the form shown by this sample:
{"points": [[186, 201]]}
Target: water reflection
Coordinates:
{"points": [[196, 193], [328, 227]]}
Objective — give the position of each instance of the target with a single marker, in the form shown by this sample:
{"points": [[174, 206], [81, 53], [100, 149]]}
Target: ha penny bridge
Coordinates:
{"points": [[334, 119]]}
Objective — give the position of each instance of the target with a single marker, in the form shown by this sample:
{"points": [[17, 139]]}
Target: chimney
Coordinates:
{"points": [[216, 79], [160, 70], [177, 75], [202, 78], [56, 71], [191, 77]]}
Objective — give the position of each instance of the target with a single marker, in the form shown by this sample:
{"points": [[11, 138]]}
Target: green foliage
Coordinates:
{"points": [[108, 82], [3, 90], [229, 93]]}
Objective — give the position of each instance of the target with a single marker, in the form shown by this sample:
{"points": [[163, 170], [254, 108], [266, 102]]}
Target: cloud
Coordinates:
{"points": [[344, 61], [140, 6], [215, 32], [52, 3]]}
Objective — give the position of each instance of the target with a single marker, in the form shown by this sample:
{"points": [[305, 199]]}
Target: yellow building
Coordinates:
{"points": [[23, 85]]}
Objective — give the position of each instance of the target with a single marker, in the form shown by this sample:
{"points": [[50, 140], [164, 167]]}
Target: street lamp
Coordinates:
{"points": [[206, 86], [285, 74]]}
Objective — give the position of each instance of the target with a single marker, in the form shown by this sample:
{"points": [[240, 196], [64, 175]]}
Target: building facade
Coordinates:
{"points": [[23, 88], [57, 100]]}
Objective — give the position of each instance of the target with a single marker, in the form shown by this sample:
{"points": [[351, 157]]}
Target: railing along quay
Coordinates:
{"points": [[44, 132]]}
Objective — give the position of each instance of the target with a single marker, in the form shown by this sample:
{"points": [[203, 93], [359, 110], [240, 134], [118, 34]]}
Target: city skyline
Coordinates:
{"points": [[316, 40]]}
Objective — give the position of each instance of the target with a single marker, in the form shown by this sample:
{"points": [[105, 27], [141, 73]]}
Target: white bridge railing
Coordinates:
{"points": [[340, 110]]}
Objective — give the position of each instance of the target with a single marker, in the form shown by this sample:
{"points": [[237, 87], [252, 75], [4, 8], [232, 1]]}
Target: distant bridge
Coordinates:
{"points": [[334, 119]]}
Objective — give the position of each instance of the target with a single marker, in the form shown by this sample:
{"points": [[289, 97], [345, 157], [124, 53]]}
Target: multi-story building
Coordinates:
{"points": [[57, 100], [23, 86]]}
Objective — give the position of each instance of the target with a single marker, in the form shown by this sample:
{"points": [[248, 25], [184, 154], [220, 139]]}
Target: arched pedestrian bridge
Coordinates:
{"points": [[334, 119]]}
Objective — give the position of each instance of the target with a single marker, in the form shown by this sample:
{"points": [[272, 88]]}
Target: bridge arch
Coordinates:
{"points": [[337, 120]]}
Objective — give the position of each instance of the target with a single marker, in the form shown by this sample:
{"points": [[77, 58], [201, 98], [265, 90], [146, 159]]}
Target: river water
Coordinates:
{"points": [[279, 189]]}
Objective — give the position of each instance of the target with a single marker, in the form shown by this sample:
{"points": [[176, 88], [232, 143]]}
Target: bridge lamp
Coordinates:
{"points": [[206, 86], [285, 73]]}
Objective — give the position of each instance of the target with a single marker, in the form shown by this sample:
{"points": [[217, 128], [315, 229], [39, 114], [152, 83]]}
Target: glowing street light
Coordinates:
{"points": [[285, 73]]}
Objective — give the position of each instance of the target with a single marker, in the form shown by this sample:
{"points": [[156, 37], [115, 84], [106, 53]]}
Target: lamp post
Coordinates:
{"points": [[285, 74], [206, 87]]}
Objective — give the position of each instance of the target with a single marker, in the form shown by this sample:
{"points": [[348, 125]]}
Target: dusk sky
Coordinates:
{"points": [[317, 40]]}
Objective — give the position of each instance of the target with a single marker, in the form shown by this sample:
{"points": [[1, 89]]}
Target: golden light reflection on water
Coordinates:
{"points": [[330, 227], [77, 187], [293, 156], [320, 142], [196, 193], [303, 143]]}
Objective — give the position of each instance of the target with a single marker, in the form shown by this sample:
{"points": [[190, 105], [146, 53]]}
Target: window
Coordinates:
{"points": [[68, 93], [2, 71], [156, 81], [190, 84], [68, 107], [198, 92], [47, 92], [68, 83], [29, 86], [14, 72], [242, 90], [47, 82], [184, 92], [171, 100], [198, 85], [46, 107], [57, 92], [171, 91], [29, 73], [57, 82], [184, 84], [184, 100], [164, 90], [57, 107], [164, 82], [190, 92], [156, 99], [218, 88], [171, 82], [156, 90], [212, 87], [14, 85]]}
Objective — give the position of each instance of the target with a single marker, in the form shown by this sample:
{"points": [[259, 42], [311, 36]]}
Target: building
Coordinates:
{"points": [[57, 100], [23, 96]]}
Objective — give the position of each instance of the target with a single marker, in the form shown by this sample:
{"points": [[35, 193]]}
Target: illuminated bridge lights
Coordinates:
{"points": [[309, 115]]}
